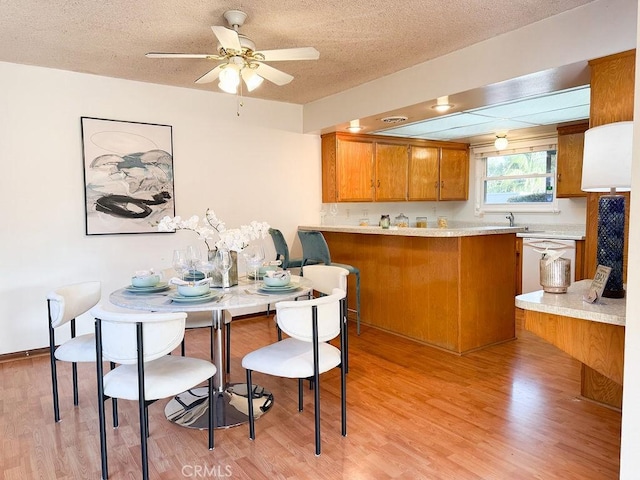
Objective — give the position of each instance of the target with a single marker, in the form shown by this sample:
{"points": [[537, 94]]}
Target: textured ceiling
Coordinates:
{"points": [[358, 40]]}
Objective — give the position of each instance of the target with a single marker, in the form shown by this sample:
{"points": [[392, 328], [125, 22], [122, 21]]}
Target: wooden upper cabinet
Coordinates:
{"points": [[373, 168], [347, 169], [355, 171], [569, 159], [454, 174], [612, 100], [392, 170], [424, 173]]}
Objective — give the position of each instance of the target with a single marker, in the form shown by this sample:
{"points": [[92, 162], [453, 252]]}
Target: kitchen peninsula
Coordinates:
{"points": [[450, 288], [592, 333]]}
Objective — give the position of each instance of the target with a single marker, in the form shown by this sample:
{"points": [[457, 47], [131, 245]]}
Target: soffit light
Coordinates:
{"points": [[442, 104], [354, 126]]}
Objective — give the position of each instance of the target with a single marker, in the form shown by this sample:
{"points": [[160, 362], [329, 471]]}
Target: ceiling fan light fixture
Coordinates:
{"points": [[501, 142], [251, 79], [229, 78], [442, 104]]}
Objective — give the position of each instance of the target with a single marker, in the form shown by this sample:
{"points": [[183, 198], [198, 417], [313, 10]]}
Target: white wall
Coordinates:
{"points": [[255, 166], [629, 462]]}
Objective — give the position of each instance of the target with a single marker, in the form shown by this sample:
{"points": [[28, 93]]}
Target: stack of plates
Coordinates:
{"points": [[291, 287], [160, 287], [177, 298]]}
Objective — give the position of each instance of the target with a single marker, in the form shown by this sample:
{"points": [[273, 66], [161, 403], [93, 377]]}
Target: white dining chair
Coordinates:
{"points": [[316, 250], [64, 305], [140, 344], [324, 279], [306, 353]]}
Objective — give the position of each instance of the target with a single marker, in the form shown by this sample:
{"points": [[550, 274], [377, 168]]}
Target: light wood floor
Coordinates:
{"points": [[508, 412]]}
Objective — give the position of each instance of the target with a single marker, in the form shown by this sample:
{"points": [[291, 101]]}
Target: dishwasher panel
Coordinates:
{"points": [[531, 259]]}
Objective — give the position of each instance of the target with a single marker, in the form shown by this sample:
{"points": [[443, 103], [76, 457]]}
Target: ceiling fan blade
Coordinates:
{"points": [[210, 76], [273, 75], [228, 38], [302, 53], [182, 55]]}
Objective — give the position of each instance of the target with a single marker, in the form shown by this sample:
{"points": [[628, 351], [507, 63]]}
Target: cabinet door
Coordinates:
{"points": [[454, 174], [392, 167], [570, 151], [424, 176], [354, 171]]}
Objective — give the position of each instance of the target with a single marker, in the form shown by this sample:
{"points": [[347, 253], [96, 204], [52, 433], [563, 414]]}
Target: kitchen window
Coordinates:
{"points": [[519, 179]]}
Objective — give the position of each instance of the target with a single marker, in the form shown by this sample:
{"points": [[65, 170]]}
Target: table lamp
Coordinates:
{"points": [[606, 167]]}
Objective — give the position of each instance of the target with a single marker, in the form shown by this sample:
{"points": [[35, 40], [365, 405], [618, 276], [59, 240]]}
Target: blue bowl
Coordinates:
{"points": [[193, 290], [277, 281], [146, 281]]}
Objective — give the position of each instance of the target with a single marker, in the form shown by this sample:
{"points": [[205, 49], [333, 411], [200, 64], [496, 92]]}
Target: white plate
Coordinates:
{"points": [[176, 297], [292, 287], [161, 287]]}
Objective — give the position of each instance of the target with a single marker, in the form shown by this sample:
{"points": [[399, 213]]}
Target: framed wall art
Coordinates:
{"points": [[128, 175]]}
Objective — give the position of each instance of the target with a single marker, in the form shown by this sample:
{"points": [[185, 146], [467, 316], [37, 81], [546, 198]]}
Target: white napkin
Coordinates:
{"points": [[277, 273], [179, 281], [144, 273]]}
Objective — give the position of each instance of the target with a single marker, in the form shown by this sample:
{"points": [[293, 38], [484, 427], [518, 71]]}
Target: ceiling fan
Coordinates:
{"points": [[240, 60]]}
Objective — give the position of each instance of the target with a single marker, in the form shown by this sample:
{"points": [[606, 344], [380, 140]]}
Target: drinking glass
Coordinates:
{"points": [[254, 256], [179, 262], [192, 256], [207, 267], [223, 264], [333, 210]]}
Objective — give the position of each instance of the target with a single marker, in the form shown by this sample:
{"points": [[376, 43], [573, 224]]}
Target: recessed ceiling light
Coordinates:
{"points": [[442, 104], [395, 119], [354, 126]]}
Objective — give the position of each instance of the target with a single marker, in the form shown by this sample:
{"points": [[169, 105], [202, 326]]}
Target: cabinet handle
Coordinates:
{"points": [[378, 183], [436, 184], [372, 183], [442, 184], [559, 177]]}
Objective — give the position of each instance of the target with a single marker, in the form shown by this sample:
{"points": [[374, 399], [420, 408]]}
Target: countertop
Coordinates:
{"points": [[553, 234], [416, 232], [570, 304]]}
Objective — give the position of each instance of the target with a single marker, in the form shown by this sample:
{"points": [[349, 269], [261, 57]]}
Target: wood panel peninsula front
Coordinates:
{"points": [[452, 289]]}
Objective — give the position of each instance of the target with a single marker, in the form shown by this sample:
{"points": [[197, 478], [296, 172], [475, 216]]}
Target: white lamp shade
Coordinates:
{"points": [[229, 78], [606, 163]]}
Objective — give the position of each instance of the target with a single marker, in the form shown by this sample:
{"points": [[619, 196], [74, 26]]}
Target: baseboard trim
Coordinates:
{"points": [[23, 355]]}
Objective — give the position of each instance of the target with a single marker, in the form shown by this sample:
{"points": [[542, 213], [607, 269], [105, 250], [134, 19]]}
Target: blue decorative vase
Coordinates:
{"points": [[611, 242]]}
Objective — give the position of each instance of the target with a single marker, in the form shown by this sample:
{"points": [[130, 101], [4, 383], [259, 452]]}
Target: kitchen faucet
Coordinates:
{"points": [[511, 218]]}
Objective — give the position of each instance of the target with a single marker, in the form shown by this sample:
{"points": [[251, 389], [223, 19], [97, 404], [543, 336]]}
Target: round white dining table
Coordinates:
{"points": [[190, 408]]}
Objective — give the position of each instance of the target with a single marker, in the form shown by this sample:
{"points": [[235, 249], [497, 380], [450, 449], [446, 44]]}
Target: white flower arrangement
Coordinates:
{"points": [[235, 239]]}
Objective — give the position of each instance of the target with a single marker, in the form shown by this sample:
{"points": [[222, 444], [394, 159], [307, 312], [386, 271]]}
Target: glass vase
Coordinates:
{"points": [[216, 276]]}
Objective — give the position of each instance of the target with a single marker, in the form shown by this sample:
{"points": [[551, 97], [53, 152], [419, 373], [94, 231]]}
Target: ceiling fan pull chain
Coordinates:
{"points": [[239, 102]]}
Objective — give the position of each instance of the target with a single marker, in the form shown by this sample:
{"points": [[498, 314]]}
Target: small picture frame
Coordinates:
{"points": [[598, 284]]}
